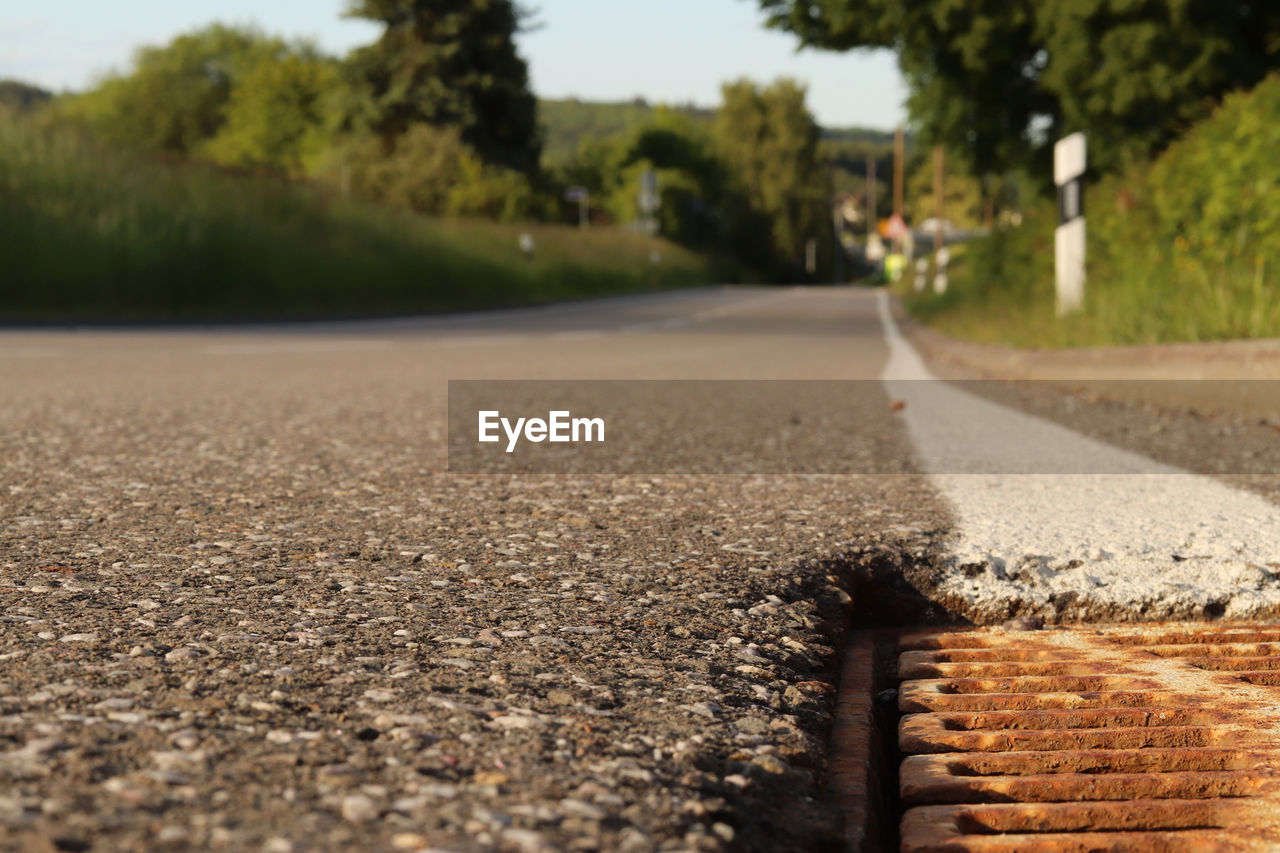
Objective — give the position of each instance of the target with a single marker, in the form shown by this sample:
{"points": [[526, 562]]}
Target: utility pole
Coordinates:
{"points": [[899, 154], [938, 192], [941, 256], [837, 231], [583, 198], [871, 194]]}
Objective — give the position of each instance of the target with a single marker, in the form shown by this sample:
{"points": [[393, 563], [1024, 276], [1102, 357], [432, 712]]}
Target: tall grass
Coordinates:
{"points": [[88, 233], [1183, 249], [1142, 288]]}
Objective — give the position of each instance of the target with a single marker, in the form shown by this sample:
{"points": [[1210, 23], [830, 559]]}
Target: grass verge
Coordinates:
{"points": [[1185, 248], [89, 233], [1141, 289]]}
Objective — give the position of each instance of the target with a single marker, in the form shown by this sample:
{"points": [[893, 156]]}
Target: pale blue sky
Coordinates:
{"points": [[663, 50]]}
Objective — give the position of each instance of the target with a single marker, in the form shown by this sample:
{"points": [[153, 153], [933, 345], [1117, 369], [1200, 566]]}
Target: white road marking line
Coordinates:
{"points": [[1131, 532]]}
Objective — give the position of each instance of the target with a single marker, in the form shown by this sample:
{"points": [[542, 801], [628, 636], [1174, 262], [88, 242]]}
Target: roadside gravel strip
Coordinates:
{"points": [[1080, 529], [243, 608]]}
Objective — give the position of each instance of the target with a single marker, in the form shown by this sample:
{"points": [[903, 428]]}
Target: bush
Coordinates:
{"points": [[174, 100], [1185, 248], [276, 116], [1219, 187], [430, 171]]}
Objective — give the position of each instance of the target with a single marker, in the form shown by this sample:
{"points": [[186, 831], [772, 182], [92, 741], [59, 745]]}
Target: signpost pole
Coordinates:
{"points": [[583, 198], [940, 253], [938, 193], [899, 154], [871, 194], [649, 200], [837, 230], [1069, 161]]}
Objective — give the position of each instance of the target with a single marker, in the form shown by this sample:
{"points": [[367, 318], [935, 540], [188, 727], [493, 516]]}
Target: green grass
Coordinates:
{"points": [[89, 233], [1186, 248], [1141, 289]]}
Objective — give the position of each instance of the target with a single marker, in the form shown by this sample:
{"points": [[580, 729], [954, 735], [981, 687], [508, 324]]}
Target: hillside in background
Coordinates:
{"points": [[14, 94], [867, 136], [567, 123]]}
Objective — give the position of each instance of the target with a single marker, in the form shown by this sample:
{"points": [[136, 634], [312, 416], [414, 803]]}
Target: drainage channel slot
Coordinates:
{"points": [[1130, 738]]}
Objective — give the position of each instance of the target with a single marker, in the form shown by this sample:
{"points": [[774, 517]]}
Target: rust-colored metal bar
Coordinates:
{"points": [[1154, 738], [1193, 826], [852, 783]]}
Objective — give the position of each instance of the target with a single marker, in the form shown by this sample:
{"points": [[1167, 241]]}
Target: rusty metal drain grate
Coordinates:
{"points": [[1154, 738]]}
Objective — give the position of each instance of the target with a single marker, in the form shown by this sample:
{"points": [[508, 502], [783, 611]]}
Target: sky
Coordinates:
{"points": [[666, 51]]}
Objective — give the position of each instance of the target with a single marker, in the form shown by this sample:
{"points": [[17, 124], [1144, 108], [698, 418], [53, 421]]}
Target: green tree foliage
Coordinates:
{"points": [[678, 147], [446, 63], [430, 170], [845, 154], [999, 80], [692, 180], [1182, 247], [276, 115], [748, 184], [175, 97], [972, 67], [1136, 74], [769, 141], [962, 196], [1212, 198]]}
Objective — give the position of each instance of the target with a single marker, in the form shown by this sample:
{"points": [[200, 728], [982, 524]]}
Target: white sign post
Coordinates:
{"points": [[583, 197], [922, 274], [1068, 174], [649, 201]]}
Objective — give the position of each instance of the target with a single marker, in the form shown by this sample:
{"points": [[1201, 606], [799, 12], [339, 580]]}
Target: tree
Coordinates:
{"points": [[769, 140], [276, 115], [962, 196], [692, 179], [175, 97], [1137, 74], [446, 62], [999, 80], [971, 66]]}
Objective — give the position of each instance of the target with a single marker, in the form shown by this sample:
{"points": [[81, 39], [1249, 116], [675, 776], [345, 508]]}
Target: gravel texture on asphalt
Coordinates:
{"points": [[244, 609]]}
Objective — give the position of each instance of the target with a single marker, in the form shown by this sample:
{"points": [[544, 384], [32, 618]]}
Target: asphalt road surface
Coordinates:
{"points": [[245, 607]]}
